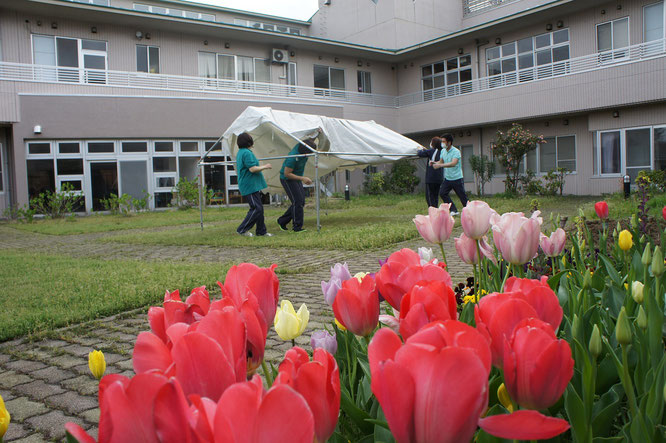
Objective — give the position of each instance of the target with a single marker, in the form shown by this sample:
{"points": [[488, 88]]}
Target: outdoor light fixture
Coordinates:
{"points": [[566, 122], [139, 35], [547, 123], [461, 134], [39, 22], [337, 60], [460, 51], [227, 45], [560, 23], [292, 54], [93, 29], [37, 129], [619, 7], [549, 27], [54, 25], [359, 63], [469, 133], [603, 11], [616, 114], [320, 57], [498, 41], [205, 42], [147, 35]]}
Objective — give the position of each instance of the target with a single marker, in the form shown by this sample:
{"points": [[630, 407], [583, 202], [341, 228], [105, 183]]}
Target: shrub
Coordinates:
{"points": [[56, 204], [484, 170], [402, 179], [510, 148], [186, 193], [554, 181], [529, 184], [20, 213], [374, 183], [125, 204]]}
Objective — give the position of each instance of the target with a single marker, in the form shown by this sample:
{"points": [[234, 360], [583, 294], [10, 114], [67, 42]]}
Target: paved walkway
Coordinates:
{"points": [[47, 383]]}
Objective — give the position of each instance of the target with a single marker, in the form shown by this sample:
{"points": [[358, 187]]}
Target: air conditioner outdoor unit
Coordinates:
{"points": [[279, 56]]}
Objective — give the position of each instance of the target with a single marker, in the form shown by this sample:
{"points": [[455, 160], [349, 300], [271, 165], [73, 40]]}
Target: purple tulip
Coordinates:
{"points": [[339, 273], [324, 340]]}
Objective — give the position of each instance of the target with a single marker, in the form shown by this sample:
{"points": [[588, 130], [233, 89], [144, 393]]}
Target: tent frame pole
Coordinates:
{"points": [[316, 160], [201, 195]]}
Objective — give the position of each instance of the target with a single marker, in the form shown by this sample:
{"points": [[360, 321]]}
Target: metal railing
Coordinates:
{"points": [[139, 80], [586, 63], [473, 6]]}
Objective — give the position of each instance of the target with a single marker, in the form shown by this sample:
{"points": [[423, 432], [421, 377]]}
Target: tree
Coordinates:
{"points": [[510, 149], [484, 170]]}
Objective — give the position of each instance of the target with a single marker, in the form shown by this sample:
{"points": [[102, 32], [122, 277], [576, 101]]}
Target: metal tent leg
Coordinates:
{"points": [[201, 195], [316, 159]]}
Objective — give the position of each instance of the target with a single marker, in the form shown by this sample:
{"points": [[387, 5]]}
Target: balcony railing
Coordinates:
{"points": [[586, 63], [139, 80], [473, 6]]}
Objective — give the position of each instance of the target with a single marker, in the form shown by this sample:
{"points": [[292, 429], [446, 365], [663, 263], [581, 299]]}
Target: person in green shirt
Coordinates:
{"points": [[292, 180], [250, 183], [453, 175]]}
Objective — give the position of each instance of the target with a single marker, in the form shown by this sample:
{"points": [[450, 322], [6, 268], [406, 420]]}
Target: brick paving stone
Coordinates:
{"points": [[4, 358], [72, 402], [22, 407], [54, 343], [38, 390], [52, 424], [33, 438], [67, 361], [9, 379], [77, 350], [124, 365], [6, 394], [83, 384], [16, 430], [91, 415], [53, 374], [24, 366]]}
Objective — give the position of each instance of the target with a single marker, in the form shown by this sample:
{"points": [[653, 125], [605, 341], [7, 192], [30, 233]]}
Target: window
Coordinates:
{"points": [[39, 148], [610, 152], [189, 146], [364, 83], [557, 152], [70, 166], [526, 54], [148, 59], [69, 54], [291, 75], [653, 22], [164, 146], [134, 147], [326, 77], [629, 151], [174, 12], [69, 148], [41, 177], [94, 2], [100, 147], [466, 151], [164, 164], [612, 37], [450, 72], [267, 26], [234, 67]]}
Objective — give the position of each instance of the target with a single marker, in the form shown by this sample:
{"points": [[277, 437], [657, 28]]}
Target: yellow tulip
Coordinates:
{"points": [[503, 397], [4, 418], [359, 275], [625, 241], [97, 364], [288, 323]]}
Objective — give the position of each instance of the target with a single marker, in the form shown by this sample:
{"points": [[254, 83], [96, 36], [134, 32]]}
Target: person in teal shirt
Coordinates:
{"points": [[453, 175], [250, 183], [292, 180]]}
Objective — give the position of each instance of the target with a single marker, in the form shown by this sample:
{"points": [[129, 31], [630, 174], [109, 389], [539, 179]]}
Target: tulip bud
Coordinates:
{"points": [[595, 342], [634, 221], [637, 291], [4, 418], [503, 397], [575, 327], [587, 279], [657, 262], [625, 241], [646, 259], [641, 319], [623, 329], [582, 245], [97, 364], [642, 239]]}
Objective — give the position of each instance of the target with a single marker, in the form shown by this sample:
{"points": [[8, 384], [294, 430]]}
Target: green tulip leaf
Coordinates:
{"points": [[357, 415], [610, 269], [576, 413], [605, 410], [613, 299]]}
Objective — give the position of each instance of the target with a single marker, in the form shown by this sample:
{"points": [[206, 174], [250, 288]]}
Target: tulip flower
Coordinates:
{"points": [[516, 236], [427, 256], [324, 340], [5, 418], [523, 425], [663, 213], [537, 366], [622, 328], [637, 291], [641, 318], [318, 381], [97, 364], [601, 209], [339, 273], [595, 342], [658, 262], [403, 270], [475, 219], [357, 305], [435, 227], [248, 280], [426, 302], [174, 310], [288, 323], [466, 249], [625, 241], [554, 245]]}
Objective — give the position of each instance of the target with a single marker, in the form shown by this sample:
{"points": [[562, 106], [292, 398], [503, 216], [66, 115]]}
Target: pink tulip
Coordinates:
{"points": [[554, 245], [466, 249], [663, 213], [475, 219], [516, 236], [601, 208], [435, 227]]}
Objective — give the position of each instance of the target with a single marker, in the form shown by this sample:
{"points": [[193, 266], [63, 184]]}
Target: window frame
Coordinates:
{"points": [[159, 59], [83, 74], [537, 151], [364, 79], [623, 149], [446, 89], [235, 67], [663, 20], [206, 16], [329, 88], [613, 54]]}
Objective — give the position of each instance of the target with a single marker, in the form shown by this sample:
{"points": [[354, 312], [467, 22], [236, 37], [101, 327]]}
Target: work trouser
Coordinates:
{"points": [[254, 216], [296, 194], [432, 194], [458, 187]]}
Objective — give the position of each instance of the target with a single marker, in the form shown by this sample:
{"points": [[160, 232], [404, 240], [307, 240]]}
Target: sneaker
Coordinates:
{"points": [[268, 234], [246, 234], [300, 230], [282, 227], [454, 213]]}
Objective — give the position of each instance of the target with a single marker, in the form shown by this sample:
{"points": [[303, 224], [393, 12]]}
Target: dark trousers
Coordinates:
{"points": [[296, 194], [458, 187], [432, 194], [254, 216]]}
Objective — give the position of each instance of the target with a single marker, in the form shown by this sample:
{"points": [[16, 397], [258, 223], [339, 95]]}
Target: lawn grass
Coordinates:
{"points": [[40, 292]]}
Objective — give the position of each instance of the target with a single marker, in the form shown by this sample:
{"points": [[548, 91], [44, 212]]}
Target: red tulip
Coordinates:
{"points": [[435, 227], [177, 311], [428, 393], [357, 305], [245, 413], [498, 314], [537, 366], [403, 270], [247, 279], [663, 213], [318, 381], [426, 302], [601, 209], [523, 425]]}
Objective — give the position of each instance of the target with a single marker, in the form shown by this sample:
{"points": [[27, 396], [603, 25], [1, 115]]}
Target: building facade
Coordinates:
{"points": [[122, 96]]}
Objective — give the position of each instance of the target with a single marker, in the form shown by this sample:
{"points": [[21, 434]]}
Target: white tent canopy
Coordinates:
{"points": [[343, 143]]}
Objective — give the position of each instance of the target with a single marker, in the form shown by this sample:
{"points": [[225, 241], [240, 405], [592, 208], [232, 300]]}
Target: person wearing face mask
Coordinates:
{"points": [[292, 180], [453, 176], [434, 177]]}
